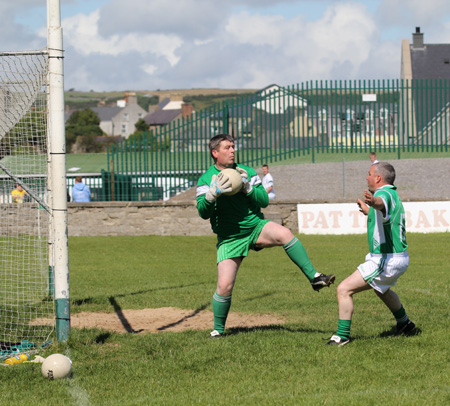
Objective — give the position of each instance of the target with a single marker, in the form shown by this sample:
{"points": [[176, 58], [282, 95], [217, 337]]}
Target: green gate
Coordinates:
{"points": [[308, 122], [132, 187]]}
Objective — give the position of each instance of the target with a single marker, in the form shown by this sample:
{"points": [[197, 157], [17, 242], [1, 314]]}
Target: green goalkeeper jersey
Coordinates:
{"points": [[232, 216], [387, 235]]}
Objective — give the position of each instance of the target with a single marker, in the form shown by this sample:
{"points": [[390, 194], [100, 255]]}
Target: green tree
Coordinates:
{"points": [[84, 117], [141, 125], [88, 143], [145, 101], [83, 123], [147, 141], [142, 128]]}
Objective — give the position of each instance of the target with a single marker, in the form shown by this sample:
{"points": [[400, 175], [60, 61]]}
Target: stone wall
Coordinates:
{"points": [[22, 219], [156, 218]]}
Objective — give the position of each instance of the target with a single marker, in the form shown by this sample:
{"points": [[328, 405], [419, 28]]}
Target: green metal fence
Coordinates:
{"points": [[307, 122], [123, 187]]}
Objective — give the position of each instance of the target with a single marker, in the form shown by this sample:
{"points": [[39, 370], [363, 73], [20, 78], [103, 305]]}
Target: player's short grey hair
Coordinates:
{"points": [[386, 171], [214, 142]]}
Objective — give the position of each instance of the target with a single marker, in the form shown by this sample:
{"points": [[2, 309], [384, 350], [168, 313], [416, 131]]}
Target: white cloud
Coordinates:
{"points": [[149, 69], [257, 29], [345, 35], [82, 34], [203, 42], [141, 44], [193, 19], [339, 42], [14, 34]]}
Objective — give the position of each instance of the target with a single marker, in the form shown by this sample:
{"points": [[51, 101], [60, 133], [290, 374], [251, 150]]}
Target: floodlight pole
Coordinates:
{"points": [[57, 165]]}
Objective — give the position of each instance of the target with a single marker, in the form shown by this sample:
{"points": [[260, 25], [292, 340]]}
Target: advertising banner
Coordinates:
{"points": [[345, 218]]}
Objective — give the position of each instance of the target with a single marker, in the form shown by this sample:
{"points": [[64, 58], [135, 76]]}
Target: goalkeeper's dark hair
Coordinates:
{"points": [[214, 142], [386, 171]]}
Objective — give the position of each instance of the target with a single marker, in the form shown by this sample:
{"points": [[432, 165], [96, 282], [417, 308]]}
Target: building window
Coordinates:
{"points": [[125, 116], [124, 128]]}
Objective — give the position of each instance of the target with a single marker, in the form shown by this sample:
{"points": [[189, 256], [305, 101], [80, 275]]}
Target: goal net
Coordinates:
{"points": [[26, 286]]}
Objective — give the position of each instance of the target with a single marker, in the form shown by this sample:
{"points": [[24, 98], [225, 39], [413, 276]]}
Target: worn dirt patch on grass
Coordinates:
{"points": [[164, 319]]}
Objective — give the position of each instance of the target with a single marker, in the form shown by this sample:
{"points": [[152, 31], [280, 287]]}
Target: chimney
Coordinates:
{"points": [[418, 39], [186, 109], [130, 98]]}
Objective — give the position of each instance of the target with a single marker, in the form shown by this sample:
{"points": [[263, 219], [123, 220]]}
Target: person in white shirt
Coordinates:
{"points": [[373, 158], [268, 182]]}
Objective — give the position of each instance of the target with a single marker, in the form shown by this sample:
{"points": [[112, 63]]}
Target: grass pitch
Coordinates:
{"points": [[277, 365]]}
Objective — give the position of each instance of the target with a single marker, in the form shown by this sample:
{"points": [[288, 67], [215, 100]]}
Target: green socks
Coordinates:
{"points": [[297, 253], [400, 316], [221, 306], [343, 329]]}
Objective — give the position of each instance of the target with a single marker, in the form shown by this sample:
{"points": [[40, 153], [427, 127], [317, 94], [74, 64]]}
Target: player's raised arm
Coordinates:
{"points": [[363, 208]]}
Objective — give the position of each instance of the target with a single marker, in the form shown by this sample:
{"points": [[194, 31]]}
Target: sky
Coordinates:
{"points": [[234, 44]]}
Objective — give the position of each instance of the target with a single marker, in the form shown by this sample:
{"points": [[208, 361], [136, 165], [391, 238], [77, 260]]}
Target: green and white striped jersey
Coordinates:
{"points": [[387, 235]]}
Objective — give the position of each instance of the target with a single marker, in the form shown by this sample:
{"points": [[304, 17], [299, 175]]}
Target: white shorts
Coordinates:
{"points": [[381, 271]]}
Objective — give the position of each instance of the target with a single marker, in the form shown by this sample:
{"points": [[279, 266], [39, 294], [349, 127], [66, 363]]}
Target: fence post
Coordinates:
{"points": [[111, 177]]}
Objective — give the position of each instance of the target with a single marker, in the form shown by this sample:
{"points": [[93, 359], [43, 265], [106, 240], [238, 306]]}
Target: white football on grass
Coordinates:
{"points": [[56, 366]]}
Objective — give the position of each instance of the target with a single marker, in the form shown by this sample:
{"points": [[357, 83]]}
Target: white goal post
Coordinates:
{"points": [[57, 170], [34, 271]]}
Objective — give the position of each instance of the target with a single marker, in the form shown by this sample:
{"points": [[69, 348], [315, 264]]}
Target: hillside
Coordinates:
{"points": [[195, 92], [200, 98]]}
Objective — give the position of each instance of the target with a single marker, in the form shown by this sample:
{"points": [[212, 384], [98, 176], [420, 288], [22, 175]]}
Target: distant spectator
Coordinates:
{"points": [[268, 182], [373, 158], [80, 192], [18, 194]]}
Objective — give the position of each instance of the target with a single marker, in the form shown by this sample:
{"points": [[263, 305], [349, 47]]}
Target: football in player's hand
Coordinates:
{"points": [[235, 178]]}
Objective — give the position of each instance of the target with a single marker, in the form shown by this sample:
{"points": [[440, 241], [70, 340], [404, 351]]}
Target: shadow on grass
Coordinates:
{"points": [[183, 319], [263, 296], [88, 300], [101, 338], [126, 325], [273, 327], [129, 329], [276, 327], [392, 333]]}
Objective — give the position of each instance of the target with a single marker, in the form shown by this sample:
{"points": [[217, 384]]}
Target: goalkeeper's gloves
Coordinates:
{"points": [[246, 185], [219, 184]]}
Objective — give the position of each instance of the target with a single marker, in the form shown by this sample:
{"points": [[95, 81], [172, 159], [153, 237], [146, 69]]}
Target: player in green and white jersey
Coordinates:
{"points": [[387, 259], [240, 226]]}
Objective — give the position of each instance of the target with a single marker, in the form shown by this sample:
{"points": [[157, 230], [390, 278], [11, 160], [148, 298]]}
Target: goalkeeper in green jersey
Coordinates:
{"points": [[387, 259], [240, 226]]}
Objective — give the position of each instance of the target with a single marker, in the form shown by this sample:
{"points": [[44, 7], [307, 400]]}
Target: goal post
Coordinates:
{"points": [[34, 270], [57, 170]]}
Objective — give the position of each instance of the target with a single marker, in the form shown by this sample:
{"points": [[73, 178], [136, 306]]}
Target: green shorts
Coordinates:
{"points": [[239, 246]]}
